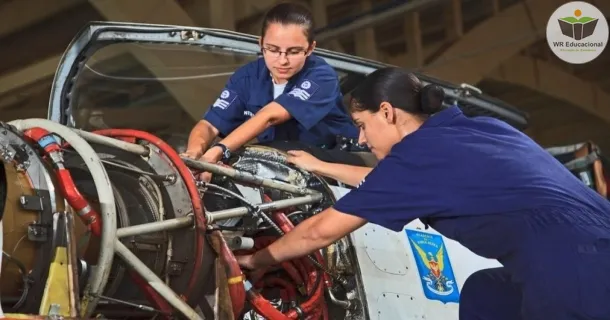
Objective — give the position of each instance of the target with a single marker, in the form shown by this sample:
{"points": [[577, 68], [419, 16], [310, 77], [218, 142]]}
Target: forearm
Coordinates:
{"points": [[246, 132], [348, 174], [201, 136], [302, 240], [270, 115]]}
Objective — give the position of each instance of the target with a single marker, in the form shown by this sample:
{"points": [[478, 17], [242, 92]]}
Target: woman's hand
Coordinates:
{"points": [[192, 154], [303, 160], [246, 262], [213, 155]]}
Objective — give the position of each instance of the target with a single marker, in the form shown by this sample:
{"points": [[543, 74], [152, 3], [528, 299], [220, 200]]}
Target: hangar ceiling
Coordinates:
{"points": [[496, 45]]}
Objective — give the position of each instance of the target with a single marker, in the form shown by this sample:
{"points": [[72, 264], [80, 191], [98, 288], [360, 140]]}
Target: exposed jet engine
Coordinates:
{"points": [[113, 224]]}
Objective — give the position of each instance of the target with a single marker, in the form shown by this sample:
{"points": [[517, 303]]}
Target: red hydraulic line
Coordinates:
{"points": [[263, 307], [187, 176], [235, 278], [66, 184]]}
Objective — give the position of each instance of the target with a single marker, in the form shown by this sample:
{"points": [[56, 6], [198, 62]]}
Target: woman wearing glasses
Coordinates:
{"points": [[288, 94]]}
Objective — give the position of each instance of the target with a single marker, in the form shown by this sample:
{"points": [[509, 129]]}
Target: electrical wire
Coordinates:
{"points": [[24, 276]]}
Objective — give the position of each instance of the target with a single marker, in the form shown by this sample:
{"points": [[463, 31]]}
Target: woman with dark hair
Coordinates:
{"points": [[475, 180], [288, 94]]}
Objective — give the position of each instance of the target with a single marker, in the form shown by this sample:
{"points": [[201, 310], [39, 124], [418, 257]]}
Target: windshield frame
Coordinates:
{"points": [[97, 35]]}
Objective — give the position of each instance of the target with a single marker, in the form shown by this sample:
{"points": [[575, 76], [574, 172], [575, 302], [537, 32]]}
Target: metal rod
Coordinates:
{"points": [[154, 281], [156, 226], [246, 177], [215, 216], [112, 142], [135, 305]]}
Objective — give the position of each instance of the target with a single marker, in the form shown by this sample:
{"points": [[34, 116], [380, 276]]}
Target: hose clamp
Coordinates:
{"points": [[299, 312]]}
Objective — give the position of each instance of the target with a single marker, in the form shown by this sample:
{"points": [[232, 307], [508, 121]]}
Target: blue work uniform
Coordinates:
{"points": [[491, 188], [312, 97]]}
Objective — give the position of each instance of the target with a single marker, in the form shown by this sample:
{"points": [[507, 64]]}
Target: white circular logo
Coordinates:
{"points": [[577, 32], [306, 85], [224, 94]]}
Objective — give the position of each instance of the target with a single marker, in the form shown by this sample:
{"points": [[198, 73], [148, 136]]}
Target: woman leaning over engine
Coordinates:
{"points": [[475, 180]]}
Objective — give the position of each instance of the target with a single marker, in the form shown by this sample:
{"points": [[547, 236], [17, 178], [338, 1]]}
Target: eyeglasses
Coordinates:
{"points": [[276, 53]]}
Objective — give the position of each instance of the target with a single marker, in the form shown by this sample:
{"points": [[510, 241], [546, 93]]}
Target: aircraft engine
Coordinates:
{"points": [[113, 224]]}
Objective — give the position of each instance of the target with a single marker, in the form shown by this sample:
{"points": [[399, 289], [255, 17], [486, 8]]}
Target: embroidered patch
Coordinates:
{"points": [[226, 99], [304, 90], [434, 266]]}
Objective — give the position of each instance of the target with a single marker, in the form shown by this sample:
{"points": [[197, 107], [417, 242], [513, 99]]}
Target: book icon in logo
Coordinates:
{"points": [[577, 27]]}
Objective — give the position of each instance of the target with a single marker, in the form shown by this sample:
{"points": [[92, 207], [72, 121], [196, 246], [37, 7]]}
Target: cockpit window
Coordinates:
{"points": [[152, 87]]}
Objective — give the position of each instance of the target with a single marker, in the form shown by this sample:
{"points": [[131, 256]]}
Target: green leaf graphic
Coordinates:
{"points": [[574, 19]]}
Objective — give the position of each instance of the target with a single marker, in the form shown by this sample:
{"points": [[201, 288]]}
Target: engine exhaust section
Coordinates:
{"points": [[71, 200]]}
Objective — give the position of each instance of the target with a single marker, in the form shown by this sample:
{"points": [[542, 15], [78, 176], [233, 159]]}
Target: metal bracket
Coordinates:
{"points": [[31, 203], [37, 232], [467, 90], [7, 153]]}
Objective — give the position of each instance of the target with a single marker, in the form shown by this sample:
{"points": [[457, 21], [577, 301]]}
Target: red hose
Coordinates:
{"points": [[279, 282], [315, 306], [66, 184], [235, 279], [188, 179]]}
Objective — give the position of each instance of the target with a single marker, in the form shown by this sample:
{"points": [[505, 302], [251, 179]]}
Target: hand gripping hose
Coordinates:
{"points": [[315, 306]]}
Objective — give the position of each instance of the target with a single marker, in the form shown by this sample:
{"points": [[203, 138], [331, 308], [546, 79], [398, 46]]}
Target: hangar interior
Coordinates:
{"points": [[498, 46], [152, 211]]}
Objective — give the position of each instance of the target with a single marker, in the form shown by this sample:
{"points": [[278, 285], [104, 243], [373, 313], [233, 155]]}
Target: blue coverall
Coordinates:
{"points": [[494, 190], [312, 97]]}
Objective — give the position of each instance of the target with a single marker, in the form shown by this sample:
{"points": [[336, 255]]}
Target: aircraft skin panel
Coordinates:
{"points": [[399, 283]]}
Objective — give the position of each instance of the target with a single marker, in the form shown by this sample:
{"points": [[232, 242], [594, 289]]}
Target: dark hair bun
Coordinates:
{"points": [[431, 99]]}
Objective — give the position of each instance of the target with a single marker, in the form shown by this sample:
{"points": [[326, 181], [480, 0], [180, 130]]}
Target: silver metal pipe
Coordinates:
{"points": [[215, 216], [156, 226], [345, 304], [154, 281], [112, 142], [240, 243], [246, 177]]}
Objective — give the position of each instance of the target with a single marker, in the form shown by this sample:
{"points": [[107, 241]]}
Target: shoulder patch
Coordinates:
{"points": [[226, 99], [304, 90]]}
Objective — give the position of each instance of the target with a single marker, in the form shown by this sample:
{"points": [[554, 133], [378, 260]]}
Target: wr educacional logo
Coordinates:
{"points": [[577, 32], [577, 27]]}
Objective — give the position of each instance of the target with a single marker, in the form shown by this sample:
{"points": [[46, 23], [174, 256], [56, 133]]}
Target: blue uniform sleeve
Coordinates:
{"points": [[397, 191], [312, 97], [227, 112]]}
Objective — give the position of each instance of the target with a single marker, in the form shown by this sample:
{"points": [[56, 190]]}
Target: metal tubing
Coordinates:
{"points": [[154, 281], [112, 142], [215, 216], [156, 226], [246, 177]]}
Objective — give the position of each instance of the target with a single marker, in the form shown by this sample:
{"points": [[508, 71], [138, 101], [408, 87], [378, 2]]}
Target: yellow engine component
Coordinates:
{"points": [[22, 246]]}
